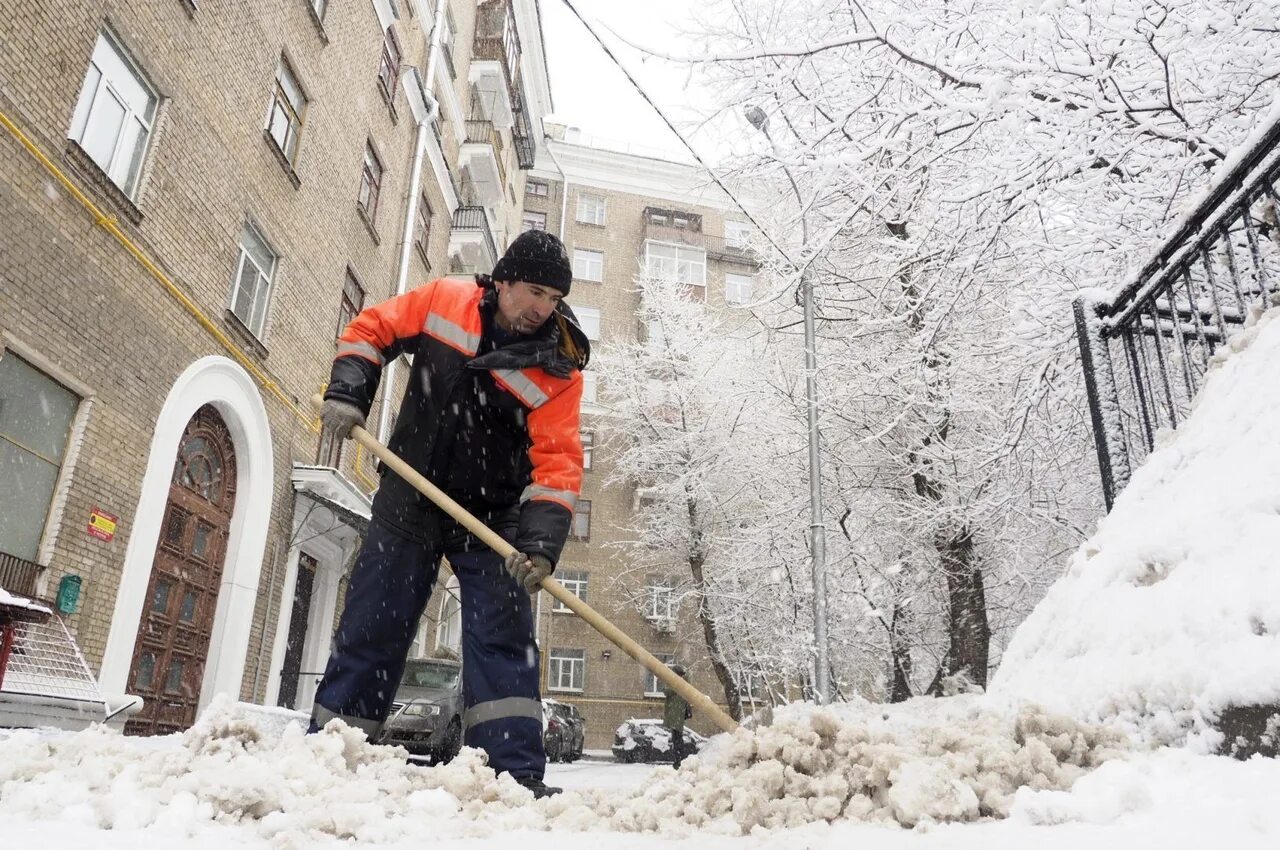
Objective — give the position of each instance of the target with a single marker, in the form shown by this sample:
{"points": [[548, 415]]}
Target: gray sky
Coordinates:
{"points": [[588, 89]]}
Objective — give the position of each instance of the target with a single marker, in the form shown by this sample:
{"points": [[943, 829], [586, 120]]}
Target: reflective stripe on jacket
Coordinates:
{"points": [[485, 426]]}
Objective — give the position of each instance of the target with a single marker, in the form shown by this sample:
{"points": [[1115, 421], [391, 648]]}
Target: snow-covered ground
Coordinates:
{"points": [[1170, 613]]}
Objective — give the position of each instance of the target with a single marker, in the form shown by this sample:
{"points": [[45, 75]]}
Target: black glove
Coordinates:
{"points": [[338, 417], [529, 570]]}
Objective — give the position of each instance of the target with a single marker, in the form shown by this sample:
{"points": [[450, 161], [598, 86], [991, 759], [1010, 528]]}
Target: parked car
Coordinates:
{"points": [[426, 712], [563, 731], [647, 740]]}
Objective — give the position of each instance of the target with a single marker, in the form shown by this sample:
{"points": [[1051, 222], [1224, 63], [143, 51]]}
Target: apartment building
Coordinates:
{"points": [[620, 212], [196, 197]]}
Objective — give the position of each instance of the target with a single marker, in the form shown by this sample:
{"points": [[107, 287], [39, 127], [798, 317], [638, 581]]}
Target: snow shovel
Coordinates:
{"points": [[698, 700]]}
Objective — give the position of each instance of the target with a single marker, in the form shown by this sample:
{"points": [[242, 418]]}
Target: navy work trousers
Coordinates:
{"points": [[389, 588]]}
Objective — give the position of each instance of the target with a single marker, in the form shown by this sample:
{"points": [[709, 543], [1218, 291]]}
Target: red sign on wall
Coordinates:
{"points": [[102, 525]]}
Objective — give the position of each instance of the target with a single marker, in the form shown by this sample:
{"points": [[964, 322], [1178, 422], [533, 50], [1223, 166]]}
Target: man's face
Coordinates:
{"points": [[524, 307]]}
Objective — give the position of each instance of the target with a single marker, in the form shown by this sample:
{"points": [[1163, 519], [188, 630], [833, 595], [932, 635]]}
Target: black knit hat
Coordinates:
{"points": [[536, 257]]}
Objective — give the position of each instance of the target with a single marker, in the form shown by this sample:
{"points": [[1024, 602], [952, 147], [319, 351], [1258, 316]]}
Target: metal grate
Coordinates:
{"points": [[47, 662]]}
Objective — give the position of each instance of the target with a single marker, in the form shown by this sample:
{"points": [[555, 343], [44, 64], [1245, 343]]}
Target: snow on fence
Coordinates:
{"points": [[1145, 352]]}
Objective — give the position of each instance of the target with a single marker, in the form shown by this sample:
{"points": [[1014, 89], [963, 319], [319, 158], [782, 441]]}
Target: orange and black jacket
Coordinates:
{"points": [[491, 420]]}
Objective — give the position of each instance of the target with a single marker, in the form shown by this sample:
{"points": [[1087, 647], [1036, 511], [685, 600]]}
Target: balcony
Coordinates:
{"points": [[481, 154], [471, 242], [18, 575], [664, 225], [495, 60]]}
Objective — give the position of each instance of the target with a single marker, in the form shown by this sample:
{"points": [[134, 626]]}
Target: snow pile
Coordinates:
{"points": [[921, 762], [291, 788], [1171, 612]]}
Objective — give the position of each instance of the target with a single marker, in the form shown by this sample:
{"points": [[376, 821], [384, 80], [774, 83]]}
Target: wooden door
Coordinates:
{"points": [[177, 618]]}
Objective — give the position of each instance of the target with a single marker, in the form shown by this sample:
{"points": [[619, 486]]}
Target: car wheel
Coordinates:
{"points": [[452, 742]]}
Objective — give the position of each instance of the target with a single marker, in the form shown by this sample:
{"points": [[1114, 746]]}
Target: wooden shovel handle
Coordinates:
{"points": [[697, 699]]}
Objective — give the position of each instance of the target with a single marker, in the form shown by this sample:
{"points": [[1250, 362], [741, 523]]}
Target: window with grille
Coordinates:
{"points": [[566, 669], [582, 520], [653, 686], [591, 209], [574, 581], [370, 183], [533, 221], [422, 235], [680, 263], [113, 117], [288, 107], [255, 274], [737, 288], [537, 188], [36, 413], [588, 265], [588, 447]]}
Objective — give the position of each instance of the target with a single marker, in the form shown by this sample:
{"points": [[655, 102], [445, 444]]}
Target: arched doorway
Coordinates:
{"points": [[182, 595]]}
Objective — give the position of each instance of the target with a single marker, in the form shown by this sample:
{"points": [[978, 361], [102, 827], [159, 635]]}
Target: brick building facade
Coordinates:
{"points": [[195, 197]]}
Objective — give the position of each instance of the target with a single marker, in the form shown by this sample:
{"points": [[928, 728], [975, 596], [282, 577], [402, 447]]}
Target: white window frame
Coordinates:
{"points": [[590, 385], [113, 76], [591, 209], [256, 321], [675, 262], [737, 234], [659, 598], [580, 510], [652, 684], [574, 581], [532, 220], [589, 321], [449, 628], [588, 448], [588, 264], [567, 670], [732, 282]]}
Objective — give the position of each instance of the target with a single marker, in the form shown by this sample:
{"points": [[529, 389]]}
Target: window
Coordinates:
{"points": [[422, 236], [672, 218], [582, 520], [659, 599], [288, 105], [370, 183], [320, 7], [447, 34], [352, 301], [653, 686], [737, 288], [566, 669], [389, 67], [251, 290], [36, 413], [589, 321], [588, 265], [588, 446], [737, 234], [536, 188], [589, 387], [591, 209], [574, 581], [680, 263], [449, 629], [113, 116], [533, 221]]}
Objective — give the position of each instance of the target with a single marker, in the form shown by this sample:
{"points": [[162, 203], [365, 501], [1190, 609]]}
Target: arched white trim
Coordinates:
{"points": [[225, 385]]}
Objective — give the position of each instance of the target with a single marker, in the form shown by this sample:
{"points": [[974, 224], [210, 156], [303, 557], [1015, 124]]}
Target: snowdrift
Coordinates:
{"points": [[1170, 614]]}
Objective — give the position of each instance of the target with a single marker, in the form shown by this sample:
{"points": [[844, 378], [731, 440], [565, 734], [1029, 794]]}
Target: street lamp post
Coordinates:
{"points": [[817, 528]]}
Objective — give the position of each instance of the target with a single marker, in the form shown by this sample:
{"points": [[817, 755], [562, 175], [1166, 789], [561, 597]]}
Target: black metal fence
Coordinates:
{"points": [[1145, 352]]}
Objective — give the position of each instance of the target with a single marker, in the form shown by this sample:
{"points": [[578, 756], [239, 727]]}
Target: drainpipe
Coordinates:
{"points": [[564, 188], [411, 209]]}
